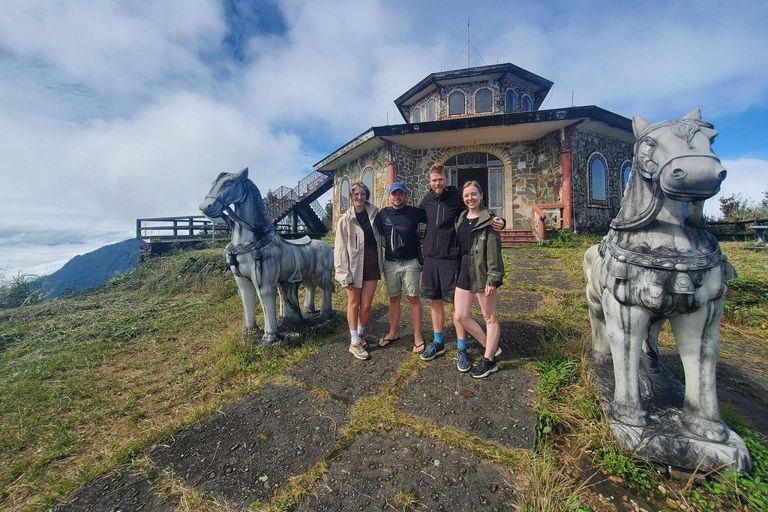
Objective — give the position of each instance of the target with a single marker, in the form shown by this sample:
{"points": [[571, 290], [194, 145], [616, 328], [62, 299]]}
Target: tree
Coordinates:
{"points": [[329, 213], [738, 207]]}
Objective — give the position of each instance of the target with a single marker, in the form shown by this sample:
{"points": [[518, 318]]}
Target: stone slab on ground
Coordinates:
{"points": [[375, 468], [497, 409], [334, 369], [275, 432], [550, 279], [513, 301], [520, 338], [537, 264], [127, 492]]}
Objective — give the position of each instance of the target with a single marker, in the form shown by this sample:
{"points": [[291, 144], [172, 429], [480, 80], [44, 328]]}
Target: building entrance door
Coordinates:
{"points": [[487, 170]]}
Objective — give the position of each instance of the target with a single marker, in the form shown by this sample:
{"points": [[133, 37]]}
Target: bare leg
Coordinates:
{"points": [[437, 313], [366, 300], [394, 318], [462, 302], [488, 307], [416, 312], [353, 306]]}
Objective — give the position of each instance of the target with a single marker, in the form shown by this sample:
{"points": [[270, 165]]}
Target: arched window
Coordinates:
{"points": [[598, 180], [368, 181], [483, 101], [431, 110], [416, 116], [527, 104], [625, 170], [510, 103], [456, 104], [344, 196]]}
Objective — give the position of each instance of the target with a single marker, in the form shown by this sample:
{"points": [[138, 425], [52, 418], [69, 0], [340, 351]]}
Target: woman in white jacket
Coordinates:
{"points": [[358, 263]]}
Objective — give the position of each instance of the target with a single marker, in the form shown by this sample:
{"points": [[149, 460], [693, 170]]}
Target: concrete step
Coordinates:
{"points": [[517, 238]]}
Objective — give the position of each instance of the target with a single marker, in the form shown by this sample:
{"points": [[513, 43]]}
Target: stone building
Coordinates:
{"points": [[557, 168]]}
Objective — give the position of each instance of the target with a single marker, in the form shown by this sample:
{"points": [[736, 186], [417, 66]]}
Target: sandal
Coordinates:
{"points": [[418, 349], [383, 342]]}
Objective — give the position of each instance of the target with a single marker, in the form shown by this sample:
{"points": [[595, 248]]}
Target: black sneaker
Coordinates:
{"points": [[483, 369]]}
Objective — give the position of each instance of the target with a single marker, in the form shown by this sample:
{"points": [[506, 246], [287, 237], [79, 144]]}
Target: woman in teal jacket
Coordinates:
{"points": [[480, 274]]}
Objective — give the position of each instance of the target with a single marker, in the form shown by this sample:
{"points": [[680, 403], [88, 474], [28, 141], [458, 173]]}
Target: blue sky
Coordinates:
{"points": [[114, 109]]}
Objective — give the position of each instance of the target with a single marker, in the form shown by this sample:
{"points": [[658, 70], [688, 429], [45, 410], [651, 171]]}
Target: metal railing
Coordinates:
{"points": [[178, 228]]}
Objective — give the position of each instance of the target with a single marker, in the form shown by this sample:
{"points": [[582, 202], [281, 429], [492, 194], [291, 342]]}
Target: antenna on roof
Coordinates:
{"points": [[571, 97], [469, 45]]}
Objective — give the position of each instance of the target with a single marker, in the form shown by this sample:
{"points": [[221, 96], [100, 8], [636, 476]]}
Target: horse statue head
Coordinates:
{"points": [[673, 160], [249, 212]]}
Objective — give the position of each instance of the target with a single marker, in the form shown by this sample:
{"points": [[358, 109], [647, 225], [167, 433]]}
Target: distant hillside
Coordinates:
{"points": [[94, 268]]}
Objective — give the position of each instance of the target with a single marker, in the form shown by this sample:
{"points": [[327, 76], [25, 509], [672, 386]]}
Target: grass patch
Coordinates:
{"points": [[93, 381]]}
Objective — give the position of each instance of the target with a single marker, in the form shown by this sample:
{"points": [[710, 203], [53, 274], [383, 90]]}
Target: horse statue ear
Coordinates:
{"points": [[243, 174], [639, 124], [693, 114]]}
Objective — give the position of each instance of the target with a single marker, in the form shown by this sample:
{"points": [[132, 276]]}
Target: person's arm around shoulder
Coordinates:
{"points": [[498, 223], [341, 261], [494, 261]]}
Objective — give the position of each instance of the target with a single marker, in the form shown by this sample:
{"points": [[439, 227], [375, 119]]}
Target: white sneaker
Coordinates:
{"points": [[357, 350]]}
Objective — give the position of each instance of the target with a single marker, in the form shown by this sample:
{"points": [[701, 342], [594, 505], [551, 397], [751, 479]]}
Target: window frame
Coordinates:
{"points": [[510, 93], [626, 164], [344, 202], [591, 200], [490, 100], [434, 110], [369, 171], [463, 103], [416, 113], [530, 103]]}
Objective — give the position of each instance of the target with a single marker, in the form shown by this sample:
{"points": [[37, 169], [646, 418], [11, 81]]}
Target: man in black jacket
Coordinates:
{"points": [[442, 205], [398, 225]]}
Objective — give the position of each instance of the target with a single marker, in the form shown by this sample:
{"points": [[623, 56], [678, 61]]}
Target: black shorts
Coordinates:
{"points": [[438, 278], [463, 280]]}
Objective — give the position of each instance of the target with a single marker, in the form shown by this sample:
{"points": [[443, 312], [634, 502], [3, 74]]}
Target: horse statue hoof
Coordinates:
{"points": [[629, 415], [267, 339], [704, 428]]}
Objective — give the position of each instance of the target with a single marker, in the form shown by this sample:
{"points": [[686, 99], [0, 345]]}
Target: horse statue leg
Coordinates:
{"points": [[264, 275], [247, 293], [626, 327], [698, 347], [592, 263]]}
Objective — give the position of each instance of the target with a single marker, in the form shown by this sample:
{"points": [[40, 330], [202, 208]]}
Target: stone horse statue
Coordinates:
{"points": [[264, 264], [657, 263]]}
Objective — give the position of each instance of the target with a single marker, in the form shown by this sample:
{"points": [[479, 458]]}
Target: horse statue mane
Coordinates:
{"points": [[658, 263], [264, 264]]}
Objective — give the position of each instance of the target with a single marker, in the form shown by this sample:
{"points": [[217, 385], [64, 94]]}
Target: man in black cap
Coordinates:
{"points": [[399, 226]]}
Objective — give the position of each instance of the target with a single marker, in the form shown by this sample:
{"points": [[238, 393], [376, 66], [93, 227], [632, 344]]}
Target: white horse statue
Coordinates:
{"points": [[264, 264], [657, 263]]}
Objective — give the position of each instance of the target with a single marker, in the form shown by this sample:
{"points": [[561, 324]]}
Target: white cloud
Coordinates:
{"points": [[112, 110]]}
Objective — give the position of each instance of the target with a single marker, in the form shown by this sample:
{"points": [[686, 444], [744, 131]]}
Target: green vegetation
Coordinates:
{"points": [[737, 207], [92, 381]]}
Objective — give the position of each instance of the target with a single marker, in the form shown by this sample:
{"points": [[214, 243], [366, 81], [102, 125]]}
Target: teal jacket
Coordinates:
{"points": [[486, 266]]}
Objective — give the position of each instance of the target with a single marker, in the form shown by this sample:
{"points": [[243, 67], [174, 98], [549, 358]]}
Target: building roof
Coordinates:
{"points": [[539, 85], [469, 131]]}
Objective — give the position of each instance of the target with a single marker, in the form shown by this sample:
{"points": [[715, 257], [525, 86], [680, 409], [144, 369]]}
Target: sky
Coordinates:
{"points": [[113, 110]]}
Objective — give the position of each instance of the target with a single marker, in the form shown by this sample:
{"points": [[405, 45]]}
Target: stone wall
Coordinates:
{"points": [[498, 90], [588, 217], [532, 173]]}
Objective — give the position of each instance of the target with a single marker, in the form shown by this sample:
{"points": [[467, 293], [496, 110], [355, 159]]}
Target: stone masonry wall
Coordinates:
{"points": [[583, 144], [532, 173]]}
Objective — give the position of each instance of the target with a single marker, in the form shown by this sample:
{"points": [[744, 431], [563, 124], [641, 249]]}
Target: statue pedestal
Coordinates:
{"points": [[665, 439]]}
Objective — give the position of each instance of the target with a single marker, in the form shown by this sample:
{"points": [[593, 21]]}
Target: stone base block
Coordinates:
{"points": [[665, 439]]}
